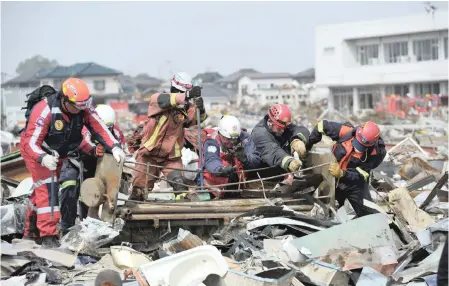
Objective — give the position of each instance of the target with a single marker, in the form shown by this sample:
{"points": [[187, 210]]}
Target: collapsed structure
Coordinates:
{"points": [[276, 235]]}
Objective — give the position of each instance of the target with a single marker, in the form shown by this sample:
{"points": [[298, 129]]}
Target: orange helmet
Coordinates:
{"points": [[76, 92]]}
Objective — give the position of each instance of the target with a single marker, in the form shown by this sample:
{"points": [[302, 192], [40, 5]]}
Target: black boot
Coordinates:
{"points": [[137, 194], [51, 241], [177, 181]]}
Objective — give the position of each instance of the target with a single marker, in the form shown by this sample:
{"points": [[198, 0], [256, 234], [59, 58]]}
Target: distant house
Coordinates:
{"points": [[271, 88], [306, 76], [147, 84], [103, 82], [127, 85], [231, 81], [216, 97], [207, 77]]}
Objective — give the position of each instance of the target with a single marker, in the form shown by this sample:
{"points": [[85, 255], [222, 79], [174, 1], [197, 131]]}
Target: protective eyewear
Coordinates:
{"points": [[80, 105]]}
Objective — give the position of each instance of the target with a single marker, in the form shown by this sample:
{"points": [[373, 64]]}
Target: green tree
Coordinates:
{"points": [[35, 64]]}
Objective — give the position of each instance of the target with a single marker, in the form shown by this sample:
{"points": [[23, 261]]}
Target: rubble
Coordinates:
{"points": [[261, 238]]}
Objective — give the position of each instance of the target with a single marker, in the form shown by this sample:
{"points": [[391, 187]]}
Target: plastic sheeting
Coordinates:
{"points": [[13, 218], [91, 234]]}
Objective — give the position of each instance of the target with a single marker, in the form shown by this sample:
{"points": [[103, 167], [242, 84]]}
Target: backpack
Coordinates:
{"points": [[34, 97]]}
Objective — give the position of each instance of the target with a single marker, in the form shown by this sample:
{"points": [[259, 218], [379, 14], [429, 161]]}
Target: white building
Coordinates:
{"points": [[360, 62], [271, 88]]}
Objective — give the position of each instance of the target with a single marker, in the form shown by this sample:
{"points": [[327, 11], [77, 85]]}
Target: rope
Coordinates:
{"points": [[228, 184], [195, 171]]}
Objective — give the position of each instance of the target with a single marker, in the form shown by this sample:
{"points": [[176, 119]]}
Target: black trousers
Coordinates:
{"points": [[356, 193], [70, 190]]}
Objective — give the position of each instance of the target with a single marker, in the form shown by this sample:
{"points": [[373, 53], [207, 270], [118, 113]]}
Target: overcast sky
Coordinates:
{"points": [[156, 37]]}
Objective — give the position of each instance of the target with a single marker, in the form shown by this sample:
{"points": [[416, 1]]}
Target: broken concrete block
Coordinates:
{"points": [[405, 207]]}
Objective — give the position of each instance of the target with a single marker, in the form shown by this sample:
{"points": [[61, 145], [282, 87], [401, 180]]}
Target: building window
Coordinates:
{"points": [[401, 90], [342, 99], [445, 48], [396, 52], [368, 97], [425, 50], [329, 51], [368, 54], [99, 85], [427, 88]]}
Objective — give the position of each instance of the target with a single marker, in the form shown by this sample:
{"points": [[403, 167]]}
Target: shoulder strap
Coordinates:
{"points": [[347, 136]]}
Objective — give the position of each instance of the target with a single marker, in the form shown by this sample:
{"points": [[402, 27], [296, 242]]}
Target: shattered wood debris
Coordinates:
{"points": [[290, 235]]}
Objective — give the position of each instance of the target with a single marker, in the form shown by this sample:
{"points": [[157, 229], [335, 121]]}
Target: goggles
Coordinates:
{"points": [[79, 105]]}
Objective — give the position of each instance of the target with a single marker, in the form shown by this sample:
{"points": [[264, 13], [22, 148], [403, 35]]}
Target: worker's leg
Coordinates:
{"points": [[360, 198], [41, 200], [142, 180], [176, 177], [89, 168], [69, 194]]}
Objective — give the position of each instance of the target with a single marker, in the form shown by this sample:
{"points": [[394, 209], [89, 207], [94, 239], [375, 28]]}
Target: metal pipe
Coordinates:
{"points": [[183, 216], [143, 209]]}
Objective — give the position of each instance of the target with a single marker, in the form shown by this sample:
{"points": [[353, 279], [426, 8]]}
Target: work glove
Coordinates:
{"points": [[240, 155], [50, 162], [194, 92], [199, 103], [118, 154], [295, 165], [299, 146], [99, 150], [336, 171], [227, 171]]}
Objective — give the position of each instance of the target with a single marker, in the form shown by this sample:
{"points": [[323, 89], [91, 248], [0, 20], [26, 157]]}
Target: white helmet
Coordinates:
{"points": [[229, 127], [106, 113], [182, 81]]}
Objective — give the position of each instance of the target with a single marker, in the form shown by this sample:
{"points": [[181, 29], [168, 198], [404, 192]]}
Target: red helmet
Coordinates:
{"points": [[368, 134], [280, 115]]}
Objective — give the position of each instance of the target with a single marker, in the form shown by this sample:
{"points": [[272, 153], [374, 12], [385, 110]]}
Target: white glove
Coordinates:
{"points": [[50, 162], [118, 154]]}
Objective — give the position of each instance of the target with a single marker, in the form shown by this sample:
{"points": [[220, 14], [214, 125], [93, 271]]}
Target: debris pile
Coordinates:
{"points": [[260, 239]]}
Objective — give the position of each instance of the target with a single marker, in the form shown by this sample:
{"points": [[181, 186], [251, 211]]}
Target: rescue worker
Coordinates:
{"points": [[227, 152], [86, 162], [52, 131], [162, 136], [357, 151], [277, 139]]}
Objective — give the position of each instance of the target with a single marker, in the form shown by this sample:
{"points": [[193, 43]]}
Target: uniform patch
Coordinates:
{"points": [[59, 125], [40, 122], [212, 149]]}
